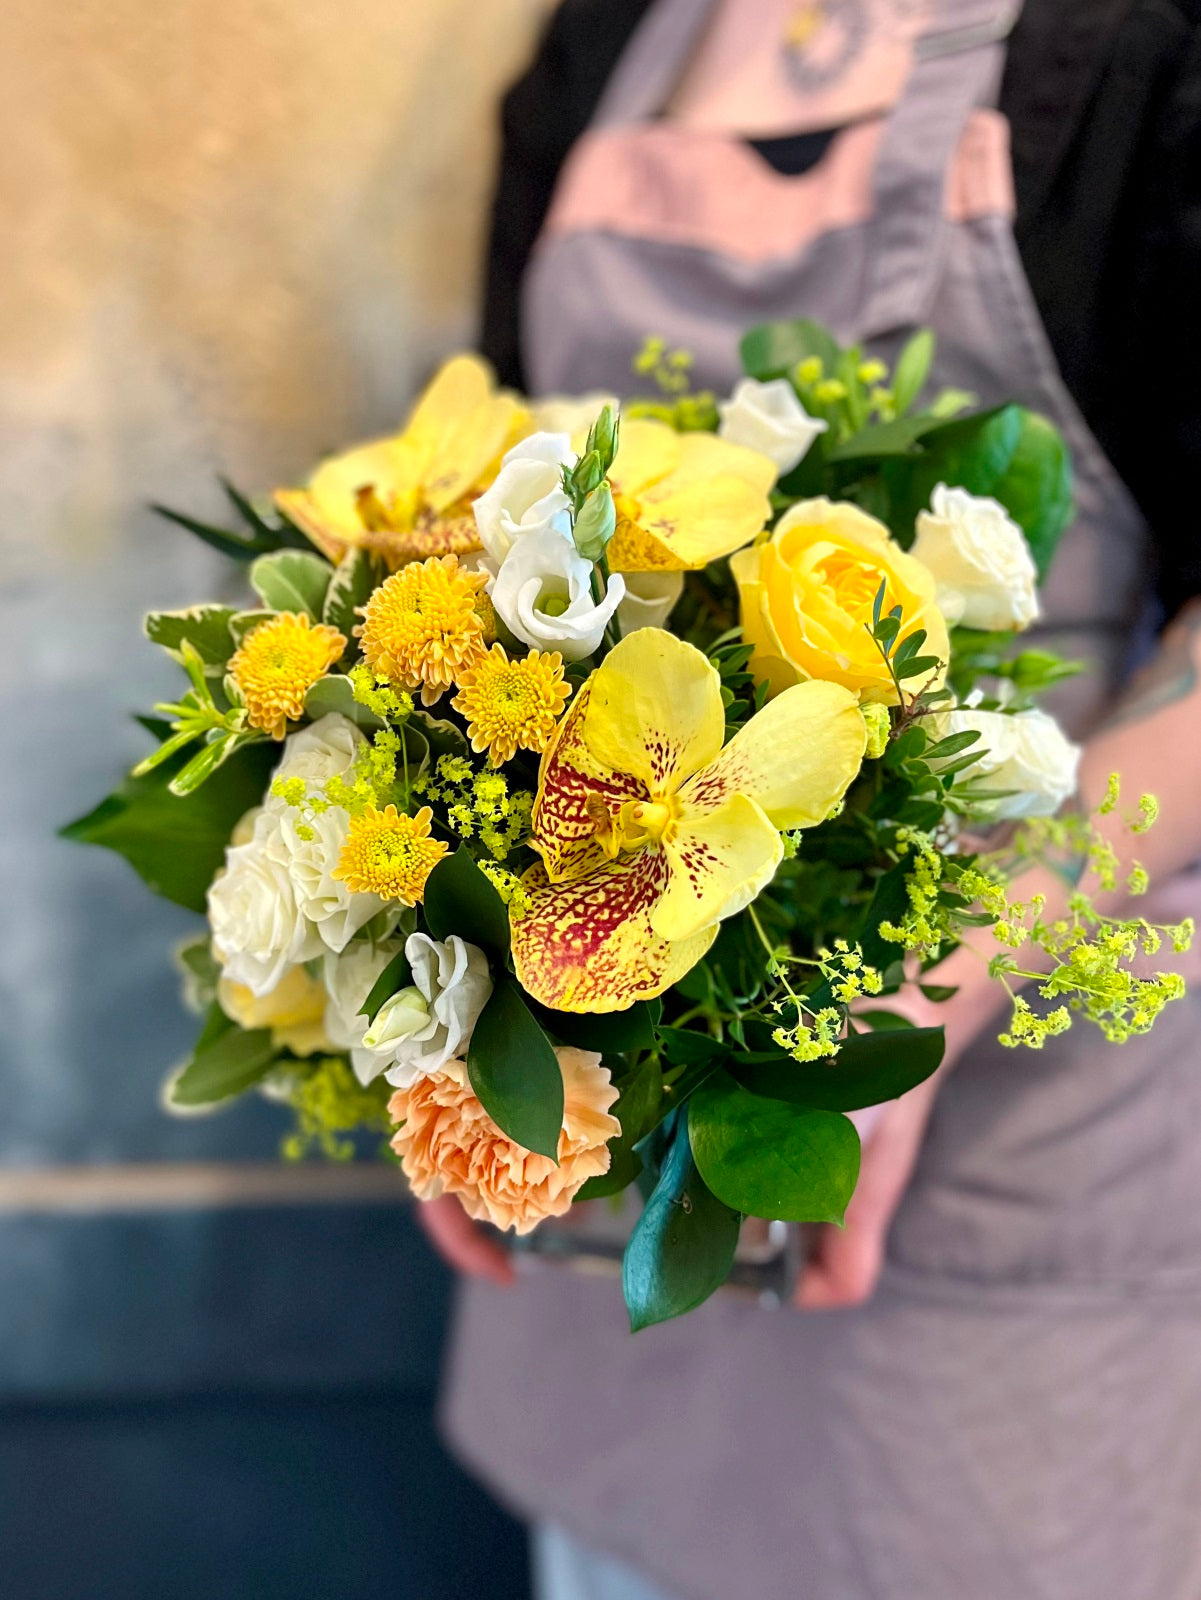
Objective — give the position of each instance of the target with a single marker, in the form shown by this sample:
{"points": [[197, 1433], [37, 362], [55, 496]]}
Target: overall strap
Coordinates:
{"points": [[956, 70], [652, 62]]}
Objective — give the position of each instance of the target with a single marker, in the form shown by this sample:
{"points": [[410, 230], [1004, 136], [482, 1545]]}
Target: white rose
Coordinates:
{"points": [[769, 418], [349, 978], [527, 495], [981, 562], [314, 845], [259, 930], [649, 599], [1026, 751], [568, 413], [542, 594], [325, 749]]}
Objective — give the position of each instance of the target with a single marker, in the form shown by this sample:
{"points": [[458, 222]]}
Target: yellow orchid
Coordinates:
{"points": [[409, 496], [684, 499], [651, 832]]}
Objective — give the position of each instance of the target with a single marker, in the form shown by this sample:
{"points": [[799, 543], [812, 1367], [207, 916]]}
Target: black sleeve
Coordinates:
{"points": [[1109, 227], [541, 118]]}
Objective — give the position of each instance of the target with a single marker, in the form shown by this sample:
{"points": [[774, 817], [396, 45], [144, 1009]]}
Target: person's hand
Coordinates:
{"points": [[462, 1242], [844, 1263]]}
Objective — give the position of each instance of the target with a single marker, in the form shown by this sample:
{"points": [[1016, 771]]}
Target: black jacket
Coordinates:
{"points": [[1104, 103]]}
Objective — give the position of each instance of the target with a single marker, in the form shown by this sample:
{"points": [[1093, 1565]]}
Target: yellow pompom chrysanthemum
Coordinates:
{"points": [[278, 663], [512, 705], [425, 625], [389, 854]]}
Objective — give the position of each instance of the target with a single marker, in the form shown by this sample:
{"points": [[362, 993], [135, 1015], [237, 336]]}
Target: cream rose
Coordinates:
{"points": [[980, 559], [806, 598], [527, 495], [259, 930], [769, 418], [1026, 751], [314, 844], [294, 1010], [449, 1145], [327, 748], [543, 594]]}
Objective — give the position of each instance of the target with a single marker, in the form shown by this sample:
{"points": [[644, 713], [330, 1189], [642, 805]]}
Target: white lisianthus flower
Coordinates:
{"points": [[769, 418], [649, 599], [981, 562], [569, 413], [259, 930], [543, 594], [527, 495], [1026, 751], [349, 978], [325, 749]]}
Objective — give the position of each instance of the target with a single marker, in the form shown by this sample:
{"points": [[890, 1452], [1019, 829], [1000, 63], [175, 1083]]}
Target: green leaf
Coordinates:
{"points": [[686, 1046], [335, 694], [354, 579], [229, 544], [227, 1061], [869, 1069], [174, 843], [953, 744], [610, 1032], [912, 369], [768, 1158], [773, 349], [916, 665], [200, 768], [460, 899], [397, 975], [973, 453], [292, 580], [889, 903], [639, 1109], [206, 628], [515, 1072], [201, 971], [1036, 488], [682, 1247]]}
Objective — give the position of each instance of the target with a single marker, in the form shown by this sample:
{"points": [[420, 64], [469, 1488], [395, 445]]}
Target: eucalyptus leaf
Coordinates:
{"points": [[682, 1247], [768, 1158], [292, 580], [515, 1072], [352, 584]]}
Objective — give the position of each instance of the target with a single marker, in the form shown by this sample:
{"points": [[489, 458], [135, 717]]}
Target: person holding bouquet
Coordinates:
{"points": [[995, 1400]]}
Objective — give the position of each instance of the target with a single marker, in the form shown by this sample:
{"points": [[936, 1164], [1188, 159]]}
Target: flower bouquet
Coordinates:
{"points": [[581, 783]]}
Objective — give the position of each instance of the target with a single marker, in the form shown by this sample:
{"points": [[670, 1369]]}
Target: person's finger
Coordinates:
{"points": [[461, 1242]]}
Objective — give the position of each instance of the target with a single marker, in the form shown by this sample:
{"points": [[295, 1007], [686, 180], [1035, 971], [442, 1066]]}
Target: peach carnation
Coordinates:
{"points": [[448, 1144]]}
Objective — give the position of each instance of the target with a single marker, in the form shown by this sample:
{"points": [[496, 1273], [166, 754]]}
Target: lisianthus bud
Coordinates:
{"points": [[595, 523]]}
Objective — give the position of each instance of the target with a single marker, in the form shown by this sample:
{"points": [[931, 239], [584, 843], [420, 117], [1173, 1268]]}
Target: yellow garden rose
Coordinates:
{"points": [[806, 596], [294, 1010]]}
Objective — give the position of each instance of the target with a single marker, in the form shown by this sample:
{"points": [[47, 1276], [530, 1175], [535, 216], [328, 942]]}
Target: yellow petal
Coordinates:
{"points": [[705, 456], [769, 662], [646, 452], [796, 757], [589, 945], [576, 793], [655, 710], [702, 521], [719, 860], [459, 428]]}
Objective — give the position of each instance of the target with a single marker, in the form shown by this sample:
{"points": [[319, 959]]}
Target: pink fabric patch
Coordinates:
{"points": [[674, 185]]}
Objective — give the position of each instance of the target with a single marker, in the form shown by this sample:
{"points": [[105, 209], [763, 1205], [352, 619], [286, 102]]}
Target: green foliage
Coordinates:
{"points": [[460, 899], [515, 1073], [769, 1158], [331, 1106], [397, 975], [639, 1109], [292, 580], [868, 1069], [611, 1032], [205, 628], [177, 843], [335, 693], [683, 1246], [350, 586], [267, 531], [227, 1061]]}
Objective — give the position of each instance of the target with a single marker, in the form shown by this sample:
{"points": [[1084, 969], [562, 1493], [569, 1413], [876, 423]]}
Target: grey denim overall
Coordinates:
{"points": [[1014, 1415]]}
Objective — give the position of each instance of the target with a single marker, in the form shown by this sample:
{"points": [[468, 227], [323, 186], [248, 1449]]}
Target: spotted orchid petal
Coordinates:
{"points": [[655, 710], [590, 945], [719, 860], [795, 758]]}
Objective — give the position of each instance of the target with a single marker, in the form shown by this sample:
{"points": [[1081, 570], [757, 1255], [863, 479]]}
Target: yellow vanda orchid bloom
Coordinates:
{"points": [[410, 496], [651, 832], [684, 499]]}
